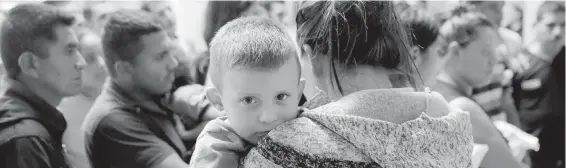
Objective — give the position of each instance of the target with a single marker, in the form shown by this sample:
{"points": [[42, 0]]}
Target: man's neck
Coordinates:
{"points": [[47, 94], [456, 81], [133, 91], [91, 92]]}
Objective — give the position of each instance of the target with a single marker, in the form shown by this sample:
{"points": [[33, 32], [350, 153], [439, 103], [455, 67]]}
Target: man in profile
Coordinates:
{"points": [[43, 65]]}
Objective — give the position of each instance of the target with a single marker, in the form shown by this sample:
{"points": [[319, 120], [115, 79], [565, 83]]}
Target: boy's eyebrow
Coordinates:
{"points": [[247, 93]]}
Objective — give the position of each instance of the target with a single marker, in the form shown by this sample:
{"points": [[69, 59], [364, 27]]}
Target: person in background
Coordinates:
{"points": [[513, 16], [368, 107], [533, 88], [472, 37], [75, 108], [188, 128], [43, 65], [429, 49], [495, 97], [133, 123]]}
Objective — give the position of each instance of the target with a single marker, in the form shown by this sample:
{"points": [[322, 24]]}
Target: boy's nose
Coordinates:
{"points": [[267, 116]]}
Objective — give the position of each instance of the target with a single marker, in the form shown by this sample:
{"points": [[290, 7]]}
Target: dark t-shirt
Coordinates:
{"points": [[530, 88], [30, 130], [551, 138], [122, 132]]}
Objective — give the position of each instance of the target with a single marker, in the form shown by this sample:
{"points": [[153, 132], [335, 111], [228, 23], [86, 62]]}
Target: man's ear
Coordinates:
{"points": [[123, 67], [214, 96], [29, 64], [301, 86]]}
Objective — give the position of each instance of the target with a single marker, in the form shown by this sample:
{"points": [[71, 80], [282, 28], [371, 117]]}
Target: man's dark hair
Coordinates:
{"points": [[423, 26], [29, 28], [122, 35], [549, 7]]}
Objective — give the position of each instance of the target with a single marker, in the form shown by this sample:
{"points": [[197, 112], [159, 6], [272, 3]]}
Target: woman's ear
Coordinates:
{"points": [[29, 64], [214, 96]]}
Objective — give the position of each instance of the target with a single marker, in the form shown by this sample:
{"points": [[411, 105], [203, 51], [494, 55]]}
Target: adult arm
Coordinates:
{"points": [[510, 110], [27, 152], [499, 154], [127, 142]]}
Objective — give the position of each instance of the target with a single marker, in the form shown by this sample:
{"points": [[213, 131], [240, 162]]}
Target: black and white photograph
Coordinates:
{"points": [[282, 84]]}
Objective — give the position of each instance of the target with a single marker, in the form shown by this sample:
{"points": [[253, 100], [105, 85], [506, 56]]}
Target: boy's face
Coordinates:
{"points": [[256, 100], [154, 66]]}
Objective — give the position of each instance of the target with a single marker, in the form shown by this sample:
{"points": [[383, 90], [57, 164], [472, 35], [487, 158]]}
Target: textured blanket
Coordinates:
{"points": [[378, 128]]}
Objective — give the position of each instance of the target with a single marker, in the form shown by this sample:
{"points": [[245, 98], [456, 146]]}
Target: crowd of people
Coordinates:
{"points": [[282, 84]]}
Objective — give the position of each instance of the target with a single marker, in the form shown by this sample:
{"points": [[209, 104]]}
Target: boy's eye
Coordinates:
{"points": [[248, 100], [282, 96]]}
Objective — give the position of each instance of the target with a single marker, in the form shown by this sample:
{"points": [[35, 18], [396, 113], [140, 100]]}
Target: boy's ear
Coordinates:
{"points": [[214, 96], [301, 86]]}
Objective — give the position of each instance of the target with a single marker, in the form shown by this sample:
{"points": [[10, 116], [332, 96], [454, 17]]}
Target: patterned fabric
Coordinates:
{"points": [[377, 128]]}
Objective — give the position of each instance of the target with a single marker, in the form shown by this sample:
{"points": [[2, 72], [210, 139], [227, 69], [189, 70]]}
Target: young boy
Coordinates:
{"points": [[257, 81]]}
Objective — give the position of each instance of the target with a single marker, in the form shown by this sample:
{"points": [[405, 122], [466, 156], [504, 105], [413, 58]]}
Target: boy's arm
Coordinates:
{"points": [[217, 147]]}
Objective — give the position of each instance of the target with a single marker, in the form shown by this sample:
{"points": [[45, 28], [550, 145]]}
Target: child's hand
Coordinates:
{"points": [[185, 101]]}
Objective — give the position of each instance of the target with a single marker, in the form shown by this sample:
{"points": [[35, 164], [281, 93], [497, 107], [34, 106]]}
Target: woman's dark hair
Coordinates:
{"points": [[354, 33], [219, 13]]}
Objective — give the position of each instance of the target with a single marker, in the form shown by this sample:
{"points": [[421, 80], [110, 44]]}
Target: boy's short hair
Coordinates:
{"points": [[462, 25], [249, 42], [122, 36], [423, 26], [29, 27], [549, 7]]}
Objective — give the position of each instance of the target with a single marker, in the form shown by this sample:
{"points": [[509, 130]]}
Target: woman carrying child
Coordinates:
{"points": [[368, 112]]}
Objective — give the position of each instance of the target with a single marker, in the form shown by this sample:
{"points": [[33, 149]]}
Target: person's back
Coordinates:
{"points": [[365, 116], [475, 37]]}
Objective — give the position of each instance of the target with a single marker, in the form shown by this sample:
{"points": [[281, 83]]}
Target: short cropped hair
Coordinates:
{"points": [[122, 35], [423, 26], [462, 25], [250, 42], [549, 7], [29, 28]]}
